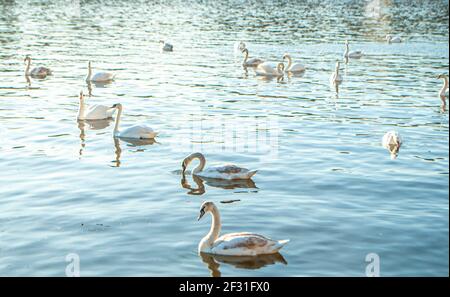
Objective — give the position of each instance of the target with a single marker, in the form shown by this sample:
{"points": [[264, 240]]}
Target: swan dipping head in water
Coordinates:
{"points": [[234, 244], [392, 141]]}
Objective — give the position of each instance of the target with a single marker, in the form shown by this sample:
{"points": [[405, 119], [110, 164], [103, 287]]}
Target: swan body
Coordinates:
{"points": [[99, 76], [165, 47], [225, 172], [134, 132], [234, 244], [353, 54], [39, 71], [395, 39], [293, 67], [336, 77], [392, 141], [269, 69], [250, 62], [94, 112]]}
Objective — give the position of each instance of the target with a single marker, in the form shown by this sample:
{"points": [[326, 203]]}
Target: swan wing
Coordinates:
{"points": [[103, 76], [254, 62], [246, 244], [41, 71], [227, 172], [98, 112], [138, 132], [266, 68], [297, 68]]}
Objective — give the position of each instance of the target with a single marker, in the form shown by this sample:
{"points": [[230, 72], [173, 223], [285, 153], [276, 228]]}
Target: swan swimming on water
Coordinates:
{"points": [[165, 47], [94, 112], [40, 71], [234, 244], [133, 132], [392, 141], [269, 69], [353, 54], [395, 39], [443, 93], [293, 67], [252, 62], [99, 77], [228, 172], [336, 77]]}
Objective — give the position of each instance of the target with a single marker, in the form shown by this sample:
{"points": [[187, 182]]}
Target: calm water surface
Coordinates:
{"points": [[324, 180]]}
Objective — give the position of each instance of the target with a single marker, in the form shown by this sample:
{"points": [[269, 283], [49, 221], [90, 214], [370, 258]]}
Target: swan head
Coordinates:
{"points": [[207, 206], [280, 67], [162, 41], [117, 105], [346, 42], [241, 45], [442, 76], [27, 58], [286, 56], [388, 37], [338, 64], [81, 96], [244, 50]]}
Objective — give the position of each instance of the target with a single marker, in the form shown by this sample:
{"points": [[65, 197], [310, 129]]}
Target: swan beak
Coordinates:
{"points": [[202, 213]]}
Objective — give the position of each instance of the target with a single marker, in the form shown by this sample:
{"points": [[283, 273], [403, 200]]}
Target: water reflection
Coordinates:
{"points": [[216, 183], [242, 262], [92, 125], [131, 142]]}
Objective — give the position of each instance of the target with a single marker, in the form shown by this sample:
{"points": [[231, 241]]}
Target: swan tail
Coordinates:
{"points": [[281, 243], [251, 173]]}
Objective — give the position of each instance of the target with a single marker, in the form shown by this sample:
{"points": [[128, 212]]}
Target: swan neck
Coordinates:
{"points": [[289, 62], [445, 86], [202, 164], [116, 126], [82, 109], [216, 226], [88, 77], [246, 56], [27, 70]]}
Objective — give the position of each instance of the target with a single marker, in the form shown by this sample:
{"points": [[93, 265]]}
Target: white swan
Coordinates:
{"points": [[269, 69], [392, 141], [349, 54], [293, 67], [336, 77], [227, 172], [252, 62], [443, 93], [395, 39], [94, 112], [165, 47], [99, 76], [135, 132], [40, 71], [234, 244]]}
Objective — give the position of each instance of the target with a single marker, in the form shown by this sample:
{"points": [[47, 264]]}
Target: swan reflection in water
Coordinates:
{"points": [[92, 125], [243, 262], [216, 183], [131, 142]]}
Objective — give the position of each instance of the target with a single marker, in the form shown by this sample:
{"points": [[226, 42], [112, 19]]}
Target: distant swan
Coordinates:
{"points": [[392, 141], [40, 72], [395, 39], [136, 131], [354, 54], [94, 112], [234, 244], [443, 93], [293, 67], [99, 76], [268, 69], [239, 46], [252, 62], [228, 172], [336, 77], [165, 47]]}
